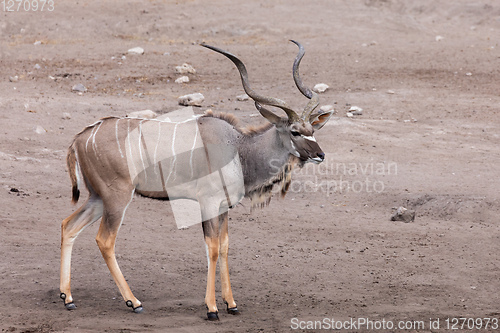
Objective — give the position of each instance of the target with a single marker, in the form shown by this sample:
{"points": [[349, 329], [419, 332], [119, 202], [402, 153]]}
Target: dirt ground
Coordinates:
{"points": [[427, 75]]}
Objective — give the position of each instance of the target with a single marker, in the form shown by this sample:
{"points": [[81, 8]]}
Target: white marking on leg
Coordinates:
{"points": [[310, 138], [117, 140], [208, 257]]}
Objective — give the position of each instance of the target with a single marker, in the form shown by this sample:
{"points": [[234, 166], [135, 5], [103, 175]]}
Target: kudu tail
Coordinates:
{"points": [[72, 163]]}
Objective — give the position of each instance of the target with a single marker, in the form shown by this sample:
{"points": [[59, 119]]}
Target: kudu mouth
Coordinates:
{"points": [[320, 157]]}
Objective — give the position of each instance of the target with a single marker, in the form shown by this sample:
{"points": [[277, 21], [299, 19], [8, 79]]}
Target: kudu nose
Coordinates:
{"points": [[321, 155]]}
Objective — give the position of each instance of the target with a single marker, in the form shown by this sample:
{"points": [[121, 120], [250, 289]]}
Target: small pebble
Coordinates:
{"points": [[79, 88], [356, 110], [146, 114], [326, 108], [182, 79], [191, 99], [40, 130], [320, 88], [242, 98], [136, 50], [185, 69]]}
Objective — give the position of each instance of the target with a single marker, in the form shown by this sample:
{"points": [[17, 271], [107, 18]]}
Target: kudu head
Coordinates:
{"points": [[296, 132]]}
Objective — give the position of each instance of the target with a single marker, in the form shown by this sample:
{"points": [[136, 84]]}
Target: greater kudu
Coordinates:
{"points": [[114, 163]]}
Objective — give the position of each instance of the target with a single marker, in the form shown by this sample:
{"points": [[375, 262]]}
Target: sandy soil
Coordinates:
{"points": [[428, 140]]}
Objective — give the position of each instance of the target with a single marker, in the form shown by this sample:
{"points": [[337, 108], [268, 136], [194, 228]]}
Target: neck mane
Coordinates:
{"points": [[266, 171]]}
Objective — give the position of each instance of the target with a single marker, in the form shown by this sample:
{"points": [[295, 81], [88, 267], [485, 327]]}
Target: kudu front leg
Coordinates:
{"points": [[211, 234], [217, 243], [227, 293]]}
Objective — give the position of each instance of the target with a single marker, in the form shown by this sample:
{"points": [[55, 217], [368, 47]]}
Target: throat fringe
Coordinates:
{"points": [[261, 195]]}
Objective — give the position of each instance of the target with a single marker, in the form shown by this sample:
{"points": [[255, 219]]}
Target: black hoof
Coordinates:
{"points": [[137, 309], [233, 311], [70, 306], [212, 316]]}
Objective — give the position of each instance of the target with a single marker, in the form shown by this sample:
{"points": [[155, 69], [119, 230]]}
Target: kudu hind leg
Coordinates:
{"points": [[71, 227], [106, 239]]}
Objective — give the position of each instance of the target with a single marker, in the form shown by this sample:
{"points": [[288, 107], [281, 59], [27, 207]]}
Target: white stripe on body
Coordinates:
{"points": [[172, 166], [192, 151], [117, 140], [130, 148], [140, 151]]}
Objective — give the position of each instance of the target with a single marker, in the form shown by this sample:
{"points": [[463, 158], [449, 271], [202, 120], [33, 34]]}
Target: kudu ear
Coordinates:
{"points": [[319, 120], [269, 115]]}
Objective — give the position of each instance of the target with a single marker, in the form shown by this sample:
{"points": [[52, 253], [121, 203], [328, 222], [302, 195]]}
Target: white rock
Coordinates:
{"points": [[37, 66], [182, 79], [185, 69], [136, 50], [66, 115], [349, 115], [191, 99], [468, 74], [391, 92], [40, 130], [242, 98], [38, 42], [356, 110], [439, 38], [13, 78], [146, 114], [326, 108], [79, 88], [320, 88]]}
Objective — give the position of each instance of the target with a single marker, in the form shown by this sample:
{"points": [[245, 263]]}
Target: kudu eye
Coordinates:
{"points": [[295, 133]]}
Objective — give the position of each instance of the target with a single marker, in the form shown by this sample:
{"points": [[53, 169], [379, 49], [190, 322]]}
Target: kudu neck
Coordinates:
{"points": [[263, 156]]}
